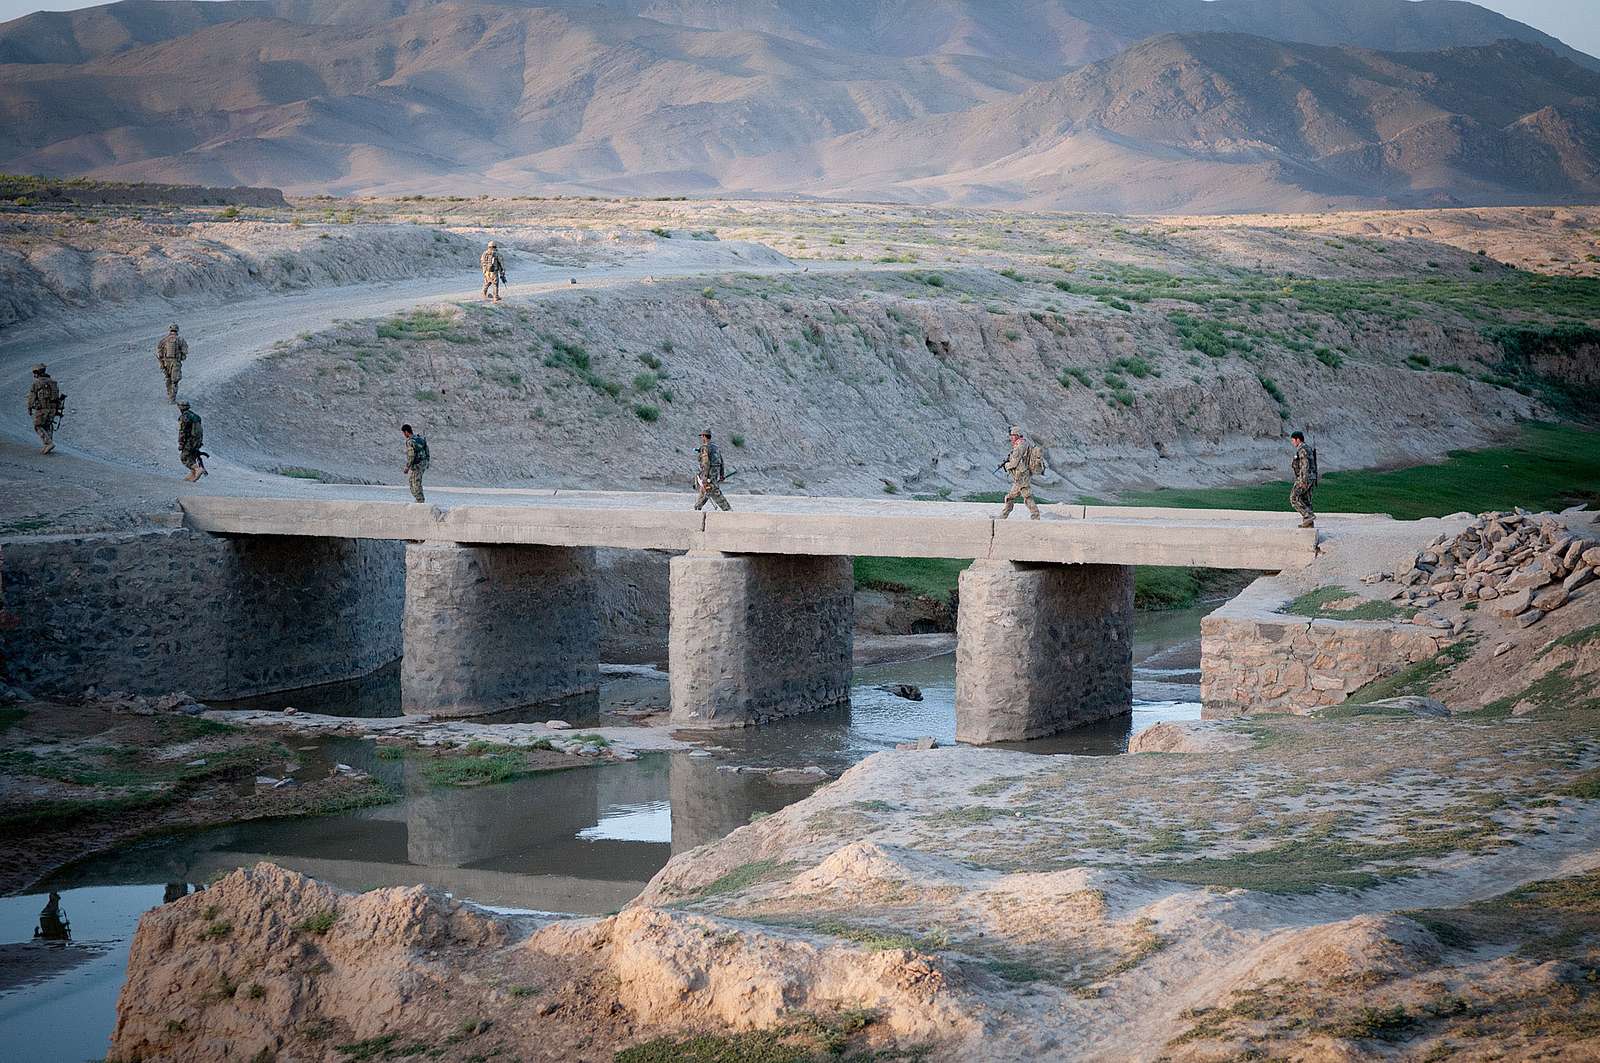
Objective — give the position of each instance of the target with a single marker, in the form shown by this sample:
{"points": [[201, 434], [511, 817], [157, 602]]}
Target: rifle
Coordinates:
{"points": [[59, 412], [699, 481]]}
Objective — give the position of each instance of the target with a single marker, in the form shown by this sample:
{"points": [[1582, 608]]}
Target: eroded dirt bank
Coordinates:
{"points": [[1369, 882]]}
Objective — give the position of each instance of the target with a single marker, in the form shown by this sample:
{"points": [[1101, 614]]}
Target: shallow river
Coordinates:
{"points": [[580, 841]]}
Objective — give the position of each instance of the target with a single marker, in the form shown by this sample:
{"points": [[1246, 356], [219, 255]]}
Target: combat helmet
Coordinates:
{"points": [[493, 244], [183, 405], [172, 327], [37, 369], [1016, 430]]}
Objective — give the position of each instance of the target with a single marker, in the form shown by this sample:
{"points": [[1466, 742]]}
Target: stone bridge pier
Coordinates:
{"points": [[758, 636], [1041, 648], [491, 628]]}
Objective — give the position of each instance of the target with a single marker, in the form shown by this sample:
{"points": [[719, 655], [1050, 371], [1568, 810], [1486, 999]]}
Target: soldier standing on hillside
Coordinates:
{"points": [[45, 403], [494, 271], [711, 474], [170, 353], [416, 460], [1304, 467], [191, 436], [1019, 463]]}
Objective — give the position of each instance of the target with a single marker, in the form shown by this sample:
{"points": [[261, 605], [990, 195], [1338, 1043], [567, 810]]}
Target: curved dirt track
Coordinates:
{"points": [[116, 452]]}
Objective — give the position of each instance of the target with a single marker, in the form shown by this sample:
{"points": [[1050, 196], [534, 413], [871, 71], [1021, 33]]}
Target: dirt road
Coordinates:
{"points": [[116, 453]]}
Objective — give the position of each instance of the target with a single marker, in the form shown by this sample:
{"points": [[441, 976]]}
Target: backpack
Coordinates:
{"points": [[421, 445], [1036, 459], [1310, 454]]}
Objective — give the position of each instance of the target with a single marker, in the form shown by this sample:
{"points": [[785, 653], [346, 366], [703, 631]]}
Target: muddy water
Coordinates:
{"points": [[580, 841]]}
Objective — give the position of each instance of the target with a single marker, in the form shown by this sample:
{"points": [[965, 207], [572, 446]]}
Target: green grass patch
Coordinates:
{"points": [[931, 577], [320, 923], [1320, 604], [1549, 467], [741, 877]]}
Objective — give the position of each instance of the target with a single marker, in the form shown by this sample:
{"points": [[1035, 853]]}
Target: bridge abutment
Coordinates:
{"points": [[759, 636], [1041, 648], [491, 628]]}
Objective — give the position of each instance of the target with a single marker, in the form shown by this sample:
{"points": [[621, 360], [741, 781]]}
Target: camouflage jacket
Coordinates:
{"points": [[492, 266], [190, 433], [416, 453], [1301, 467], [711, 470], [172, 350], [44, 396], [1016, 464]]}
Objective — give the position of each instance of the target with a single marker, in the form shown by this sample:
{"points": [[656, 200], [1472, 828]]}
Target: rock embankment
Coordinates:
{"points": [[1523, 566]]}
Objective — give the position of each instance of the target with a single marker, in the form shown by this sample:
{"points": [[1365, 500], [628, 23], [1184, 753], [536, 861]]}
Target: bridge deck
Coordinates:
{"points": [[768, 524]]}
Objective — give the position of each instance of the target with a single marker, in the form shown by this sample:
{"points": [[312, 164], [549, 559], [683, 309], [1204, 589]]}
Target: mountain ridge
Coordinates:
{"points": [[627, 97]]}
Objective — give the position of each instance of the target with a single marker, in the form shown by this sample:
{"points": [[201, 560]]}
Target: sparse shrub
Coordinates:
{"points": [[647, 413], [1134, 366], [708, 292], [1329, 358], [320, 923], [1270, 386], [736, 439], [665, 234], [650, 361], [426, 395], [645, 382], [1013, 335], [229, 213], [933, 280]]}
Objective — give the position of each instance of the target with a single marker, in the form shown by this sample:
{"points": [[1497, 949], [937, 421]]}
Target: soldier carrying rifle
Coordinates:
{"points": [[47, 404]]}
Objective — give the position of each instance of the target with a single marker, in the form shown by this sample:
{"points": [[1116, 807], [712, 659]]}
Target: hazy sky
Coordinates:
{"points": [[1575, 21]]}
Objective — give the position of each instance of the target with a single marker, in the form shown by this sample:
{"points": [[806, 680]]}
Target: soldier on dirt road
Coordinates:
{"points": [[709, 479], [45, 404], [1304, 467], [416, 459], [494, 271], [170, 353], [1021, 464], [191, 436]]}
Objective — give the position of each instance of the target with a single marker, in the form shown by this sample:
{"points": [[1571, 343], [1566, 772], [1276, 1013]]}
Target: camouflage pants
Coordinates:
{"points": [[714, 493], [414, 478], [191, 459], [491, 281], [173, 373], [1025, 492], [1300, 499], [47, 435]]}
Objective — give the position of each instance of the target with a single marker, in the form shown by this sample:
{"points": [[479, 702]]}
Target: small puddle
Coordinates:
{"points": [[582, 841]]}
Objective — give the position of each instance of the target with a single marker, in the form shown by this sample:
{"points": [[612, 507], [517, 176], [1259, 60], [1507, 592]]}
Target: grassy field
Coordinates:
{"points": [[1153, 588], [1548, 467]]}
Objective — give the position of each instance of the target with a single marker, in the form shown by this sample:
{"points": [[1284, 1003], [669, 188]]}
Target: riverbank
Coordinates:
{"points": [[1365, 881]]}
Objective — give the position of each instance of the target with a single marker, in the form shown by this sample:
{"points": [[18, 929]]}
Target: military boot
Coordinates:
{"points": [[47, 448]]}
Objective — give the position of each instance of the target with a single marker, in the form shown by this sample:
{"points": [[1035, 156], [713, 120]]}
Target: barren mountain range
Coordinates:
{"points": [[1086, 104]]}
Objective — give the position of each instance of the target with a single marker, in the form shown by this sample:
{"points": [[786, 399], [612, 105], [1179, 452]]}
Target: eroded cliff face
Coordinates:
{"points": [[865, 386]]}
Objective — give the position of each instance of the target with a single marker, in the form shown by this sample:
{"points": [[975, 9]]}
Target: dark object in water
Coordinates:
{"points": [[903, 690]]}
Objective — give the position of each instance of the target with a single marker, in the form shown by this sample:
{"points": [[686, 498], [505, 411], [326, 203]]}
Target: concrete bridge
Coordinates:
{"points": [[500, 596]]}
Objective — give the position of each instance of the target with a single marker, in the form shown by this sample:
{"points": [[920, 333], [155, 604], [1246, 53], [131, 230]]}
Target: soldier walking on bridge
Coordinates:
{"points": [[494, 271], [46, 404], [416, 460], [1022, 463], [191, 436], [711, 474], [170, 353], [1304, 467]]}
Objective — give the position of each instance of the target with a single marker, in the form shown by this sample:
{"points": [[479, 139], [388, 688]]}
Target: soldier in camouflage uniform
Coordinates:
{"points": [[170, 353], [494, 271], [711, 474], [45, 404], [191, 436], [417, 460], [1018, 465], [1304, 467]]}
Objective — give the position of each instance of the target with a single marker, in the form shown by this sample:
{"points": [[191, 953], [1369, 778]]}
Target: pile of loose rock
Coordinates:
{"points": [[1520, 565]]}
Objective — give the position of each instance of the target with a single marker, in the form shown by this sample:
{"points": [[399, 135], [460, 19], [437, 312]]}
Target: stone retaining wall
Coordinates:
{"points": [[154, 612], [1256, 660]]}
